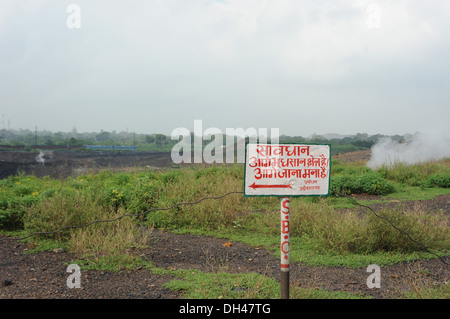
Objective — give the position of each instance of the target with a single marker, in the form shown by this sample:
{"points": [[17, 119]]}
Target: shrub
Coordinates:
{"points": [[430, 229], [438, 180], [11, 219], [373, 183], [341, 184], [369, 183], [170, 176], [432, 174], [61, 210], [111, 239], [16, 194], [142, 194], [351, 232]]}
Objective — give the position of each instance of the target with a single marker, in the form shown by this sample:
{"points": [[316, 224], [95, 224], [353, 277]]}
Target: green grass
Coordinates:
{"points": [[427, 292], [194, 284], [45, 245], [417, 193], [324, 231], [115, 263], [328, 235], [431, 174]]}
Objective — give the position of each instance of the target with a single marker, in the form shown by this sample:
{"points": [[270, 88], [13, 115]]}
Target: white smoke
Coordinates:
{"points": [[41, 158], [418, 148]]}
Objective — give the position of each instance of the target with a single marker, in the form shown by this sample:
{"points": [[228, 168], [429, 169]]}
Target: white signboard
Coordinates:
{"points": [[287, 170]]}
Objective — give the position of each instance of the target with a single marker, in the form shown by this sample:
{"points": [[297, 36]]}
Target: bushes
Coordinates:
{"points": [[17, 193], [358, 179], [438, 180], [133, 192], [60, 211], [80, 209], [352, 232], [46, 205], [193, 184], [432, 174], [11, 219], [373, 183], [430, 229], [369, 183], [351, 178]]}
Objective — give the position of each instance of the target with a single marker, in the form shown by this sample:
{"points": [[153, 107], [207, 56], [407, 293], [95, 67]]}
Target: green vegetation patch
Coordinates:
{"points": [[194, 284], [330, 231]]}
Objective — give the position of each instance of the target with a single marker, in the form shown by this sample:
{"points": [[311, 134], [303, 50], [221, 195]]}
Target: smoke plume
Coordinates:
{"points": [[40, 158], [414, 149], [43, 156]]}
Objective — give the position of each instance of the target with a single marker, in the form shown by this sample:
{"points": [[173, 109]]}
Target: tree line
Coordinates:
{"points": [[161, 142]]}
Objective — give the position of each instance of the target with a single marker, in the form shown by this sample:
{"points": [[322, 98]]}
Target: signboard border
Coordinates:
{"points": [[286, 143]]}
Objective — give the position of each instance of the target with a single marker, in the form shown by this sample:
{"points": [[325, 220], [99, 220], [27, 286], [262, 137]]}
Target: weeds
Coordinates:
{"points": [[321, 231], [431, 174], [36, 205], [194, 284]]}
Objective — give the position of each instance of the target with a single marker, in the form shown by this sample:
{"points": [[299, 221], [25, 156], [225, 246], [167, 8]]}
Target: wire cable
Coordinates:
{"points": [[215, 198], [119, 217], [395, 227]]}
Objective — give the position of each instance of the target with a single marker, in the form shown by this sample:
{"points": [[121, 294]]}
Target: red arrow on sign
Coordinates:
{"points": [[254, 186]]}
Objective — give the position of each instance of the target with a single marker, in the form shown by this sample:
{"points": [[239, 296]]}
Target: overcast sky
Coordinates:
{"points": [[152, 66]]}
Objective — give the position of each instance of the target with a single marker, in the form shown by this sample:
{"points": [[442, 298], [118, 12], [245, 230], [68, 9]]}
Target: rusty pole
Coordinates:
{"points": [[284, 265]]}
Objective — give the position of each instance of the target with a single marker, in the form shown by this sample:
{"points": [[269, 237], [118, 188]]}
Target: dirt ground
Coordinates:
{"points": [[43, 275], [353, 156], [61, 164]]}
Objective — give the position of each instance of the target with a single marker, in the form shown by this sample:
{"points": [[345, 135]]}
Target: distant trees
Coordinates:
{"points": [[160, 140], [49, 142], [149, 139], [157, 139], [76, 142], [364, 144], [103, 136]]}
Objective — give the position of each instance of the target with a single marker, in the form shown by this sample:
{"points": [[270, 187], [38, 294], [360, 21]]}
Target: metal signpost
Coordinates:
{"points": [[286, 170]]}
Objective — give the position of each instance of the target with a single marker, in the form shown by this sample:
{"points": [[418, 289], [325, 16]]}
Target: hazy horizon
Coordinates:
{"points": [[328, 135]]}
